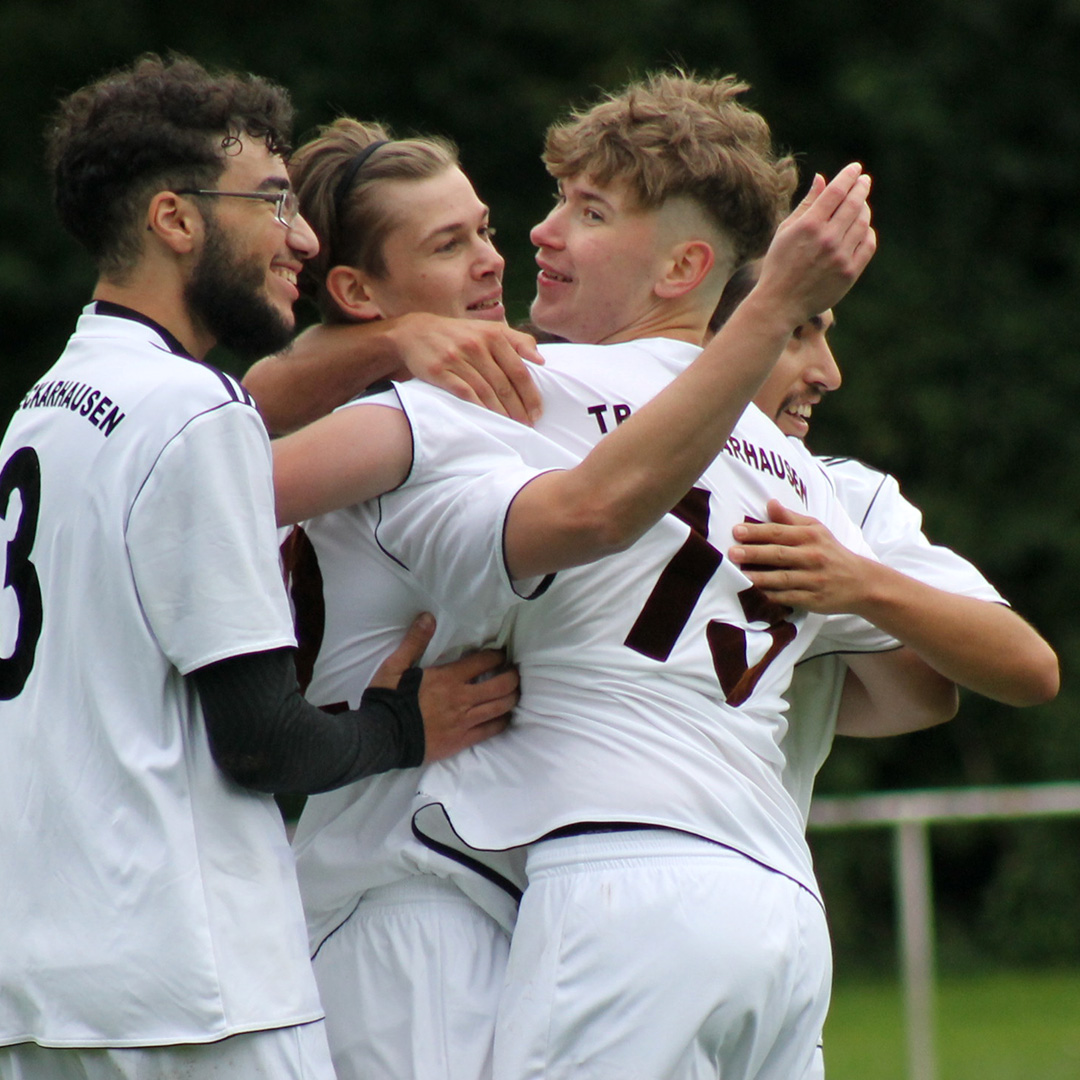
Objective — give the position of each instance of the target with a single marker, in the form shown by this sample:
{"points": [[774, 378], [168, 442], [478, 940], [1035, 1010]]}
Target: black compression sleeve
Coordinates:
{"points": [[266, 736]]}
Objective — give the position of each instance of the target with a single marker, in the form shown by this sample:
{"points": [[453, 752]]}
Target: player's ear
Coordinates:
{"points": [[686, 267], [175, 221], [349, 289]]}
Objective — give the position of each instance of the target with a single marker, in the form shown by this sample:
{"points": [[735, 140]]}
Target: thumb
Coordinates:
{"points": [[408, 652]]}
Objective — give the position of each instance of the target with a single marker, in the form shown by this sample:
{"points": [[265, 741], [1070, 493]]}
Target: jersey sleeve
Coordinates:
{"points": [[202, 542], [446, 523], [845, 632], [893, 528]]}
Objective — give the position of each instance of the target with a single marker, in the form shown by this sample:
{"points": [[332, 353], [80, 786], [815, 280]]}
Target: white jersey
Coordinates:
{"points": [[353, 603], [652, 680], [147, 899], [892, 527]]}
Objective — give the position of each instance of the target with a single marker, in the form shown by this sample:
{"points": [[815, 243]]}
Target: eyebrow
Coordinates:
{"points": [[586, 195], [274, 183], [455, 227]]}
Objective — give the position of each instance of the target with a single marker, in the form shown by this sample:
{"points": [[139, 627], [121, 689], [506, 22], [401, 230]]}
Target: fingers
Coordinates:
{"points": [[465, 702], [780, 514], [485, 364], [511, 360], [482, 664], [469, 385], [759, 553], [407, 654], [493, 704], [483, 731], [817, 186]]}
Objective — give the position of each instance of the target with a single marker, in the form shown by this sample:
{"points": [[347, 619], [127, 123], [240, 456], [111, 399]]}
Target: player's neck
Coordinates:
{"points": [[164, 306]]}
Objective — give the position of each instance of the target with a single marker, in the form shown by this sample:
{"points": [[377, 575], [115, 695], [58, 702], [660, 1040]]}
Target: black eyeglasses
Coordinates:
{"points": [[286, 203]]}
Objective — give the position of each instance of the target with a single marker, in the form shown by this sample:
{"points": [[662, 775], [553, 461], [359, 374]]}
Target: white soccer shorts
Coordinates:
{"points": [[410, 984], [290, 1053], [654, 955]]}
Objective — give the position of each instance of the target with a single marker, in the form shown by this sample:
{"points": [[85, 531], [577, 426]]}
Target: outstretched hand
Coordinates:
{"points": [[823, 246], [478, 361], [463, 702], [796, 561]]}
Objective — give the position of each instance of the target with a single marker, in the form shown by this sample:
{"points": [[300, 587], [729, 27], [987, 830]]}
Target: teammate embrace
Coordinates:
{"points": [[643, 804]]}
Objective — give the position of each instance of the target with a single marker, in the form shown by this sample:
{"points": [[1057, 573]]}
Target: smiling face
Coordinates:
{"points": [[804, 374], [439, 255], [600, 256], [242, 287]]}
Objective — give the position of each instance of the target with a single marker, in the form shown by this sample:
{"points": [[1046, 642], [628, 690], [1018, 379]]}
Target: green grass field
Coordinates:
{"points": [[1006, 1026]]}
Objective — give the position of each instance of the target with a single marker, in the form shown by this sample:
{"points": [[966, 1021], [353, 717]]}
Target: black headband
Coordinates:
{"points": [[349, 175]]}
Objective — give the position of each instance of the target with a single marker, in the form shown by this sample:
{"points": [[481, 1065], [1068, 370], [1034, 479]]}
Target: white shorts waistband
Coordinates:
{"points": [[417, 888], [631, 844]]}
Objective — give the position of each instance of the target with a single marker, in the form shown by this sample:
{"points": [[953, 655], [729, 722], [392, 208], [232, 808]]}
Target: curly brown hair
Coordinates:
{"points": [[352, 225], [157, 125], [676, 134]]}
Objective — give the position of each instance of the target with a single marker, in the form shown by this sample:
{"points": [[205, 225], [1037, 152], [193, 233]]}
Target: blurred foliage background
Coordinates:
{"points": [[960, 346]]}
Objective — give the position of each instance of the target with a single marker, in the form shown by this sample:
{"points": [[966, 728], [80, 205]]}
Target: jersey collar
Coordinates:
{"points": [[119, 311]]}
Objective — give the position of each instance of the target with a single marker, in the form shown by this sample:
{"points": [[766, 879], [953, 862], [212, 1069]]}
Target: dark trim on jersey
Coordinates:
{"points": [[119, 311], [834, 460], [849, 652], [378, 541], [234, 389], [468, 861], [380, 386], [331, 933], [588, 828], [545, 582], [387, 384], [175, 435]]}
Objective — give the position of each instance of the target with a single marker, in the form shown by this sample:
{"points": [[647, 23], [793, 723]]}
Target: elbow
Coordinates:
{"points": [[607, 531], [1039, 681], [950, 705], [251, 771], [940, 704], [596, 529]]}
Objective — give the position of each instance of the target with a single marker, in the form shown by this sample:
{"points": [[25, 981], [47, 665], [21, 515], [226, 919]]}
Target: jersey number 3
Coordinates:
{"points": [[22, 473], [676, 593]]}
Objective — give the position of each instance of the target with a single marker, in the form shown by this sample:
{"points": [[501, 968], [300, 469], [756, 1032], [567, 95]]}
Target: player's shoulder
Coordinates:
{"points": [[863, 489], [648, 358]]}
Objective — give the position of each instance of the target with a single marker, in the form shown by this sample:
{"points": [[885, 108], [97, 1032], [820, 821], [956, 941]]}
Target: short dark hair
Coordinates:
{"points": [[735, 292], [159, 124]]}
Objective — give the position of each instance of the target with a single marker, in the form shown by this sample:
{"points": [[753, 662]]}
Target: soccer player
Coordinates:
{"points": [[409, 966], [148, 700], [924, 594], [647, 746]]}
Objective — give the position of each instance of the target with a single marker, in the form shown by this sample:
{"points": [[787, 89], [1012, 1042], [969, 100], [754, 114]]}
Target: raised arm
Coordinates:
{"points": [[326, 366], [640, 470], [980, 645]]}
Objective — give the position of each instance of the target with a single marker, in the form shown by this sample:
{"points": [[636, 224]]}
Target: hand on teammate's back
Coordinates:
{"points": [[462, 702]]}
